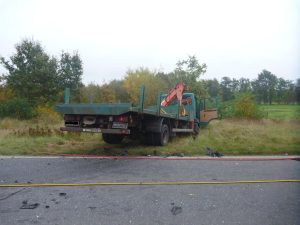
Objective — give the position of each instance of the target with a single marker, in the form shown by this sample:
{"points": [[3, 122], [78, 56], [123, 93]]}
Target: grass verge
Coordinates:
{"points": [[230, 137], [282, 112]]}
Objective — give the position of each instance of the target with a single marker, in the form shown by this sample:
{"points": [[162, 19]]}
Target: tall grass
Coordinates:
{"points": [[229, 136]]}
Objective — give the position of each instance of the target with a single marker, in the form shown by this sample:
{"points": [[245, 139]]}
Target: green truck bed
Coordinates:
{"points": [[117, 109]]}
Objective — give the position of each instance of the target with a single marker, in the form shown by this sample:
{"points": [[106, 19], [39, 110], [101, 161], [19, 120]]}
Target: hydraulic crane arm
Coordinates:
{"points": [[175, 93]]}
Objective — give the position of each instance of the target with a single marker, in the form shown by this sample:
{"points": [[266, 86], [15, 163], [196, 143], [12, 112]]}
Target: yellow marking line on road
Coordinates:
{"points": [[148, 183]]}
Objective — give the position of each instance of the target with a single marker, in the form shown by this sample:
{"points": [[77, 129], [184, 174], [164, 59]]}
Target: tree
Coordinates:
{"points": [[134, 79], [290, 94], [226, 89], [5, 93], [213, 87], [32, 73], [284, 91], [70, 72], [235, 85], [188, 71], [244, 85], [265, 86], [121, 95], [297, 91], [90, 92]]}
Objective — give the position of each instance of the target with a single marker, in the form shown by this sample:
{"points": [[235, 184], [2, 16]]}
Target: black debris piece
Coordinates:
{"points": [[213, 153], [176, 210], [25, 205], [62, 194]]}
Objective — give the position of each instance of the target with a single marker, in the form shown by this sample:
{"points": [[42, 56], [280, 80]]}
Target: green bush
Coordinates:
{"points": [[16, 108], [226, 110], [245, 107], [242, 107]]}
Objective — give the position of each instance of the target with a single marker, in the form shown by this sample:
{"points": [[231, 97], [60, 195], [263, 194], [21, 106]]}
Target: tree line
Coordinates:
{"points": [[267, 88], [35, 78]]}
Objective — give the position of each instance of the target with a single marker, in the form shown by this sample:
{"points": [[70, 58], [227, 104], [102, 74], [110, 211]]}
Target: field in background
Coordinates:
{"points": [[281, 111], [277, 135]]}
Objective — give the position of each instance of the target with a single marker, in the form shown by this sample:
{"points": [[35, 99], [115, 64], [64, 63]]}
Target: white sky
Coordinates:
{"points": [[234, 37]]}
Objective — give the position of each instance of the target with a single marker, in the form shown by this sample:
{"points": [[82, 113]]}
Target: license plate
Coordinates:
{"points": [[120, 125]]}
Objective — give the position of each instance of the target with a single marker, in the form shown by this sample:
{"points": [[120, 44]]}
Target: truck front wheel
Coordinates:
{"points": [[112, 138]]}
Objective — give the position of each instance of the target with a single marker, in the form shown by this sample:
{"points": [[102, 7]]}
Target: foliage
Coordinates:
{"points": [[265, 86], [134, 79], [6, 93], [244, 107], [121, 95], [70, 72], [32, 73], [297, 91], [46, 114], [226, 109], [189, 71], [99, 94], [226, 89], [213, 87], [39, 77], [16, 108]]}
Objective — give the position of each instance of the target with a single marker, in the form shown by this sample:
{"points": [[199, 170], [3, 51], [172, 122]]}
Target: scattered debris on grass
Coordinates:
{"points": [[213, 153]]}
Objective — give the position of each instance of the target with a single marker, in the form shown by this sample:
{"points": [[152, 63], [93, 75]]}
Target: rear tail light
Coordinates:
{"points": [[122, 119]]}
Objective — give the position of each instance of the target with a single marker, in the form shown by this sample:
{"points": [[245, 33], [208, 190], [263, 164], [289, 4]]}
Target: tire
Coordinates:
{"points": [[196, 129], [112, 138], [163, 137]]}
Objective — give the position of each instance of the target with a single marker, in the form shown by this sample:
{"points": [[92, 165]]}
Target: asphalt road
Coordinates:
{"points": [[275, 203]]}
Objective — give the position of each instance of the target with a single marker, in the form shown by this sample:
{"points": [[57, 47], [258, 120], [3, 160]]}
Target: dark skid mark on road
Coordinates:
{"points": [[11, 194]]}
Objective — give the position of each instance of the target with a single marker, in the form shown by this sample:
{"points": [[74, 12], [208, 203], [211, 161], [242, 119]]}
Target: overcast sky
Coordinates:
{"points": [[234, 37]]}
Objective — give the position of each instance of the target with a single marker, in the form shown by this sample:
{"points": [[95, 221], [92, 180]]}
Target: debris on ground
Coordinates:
{"points": [[176, 210], [25, 205], [62, 194], [213, 153]]}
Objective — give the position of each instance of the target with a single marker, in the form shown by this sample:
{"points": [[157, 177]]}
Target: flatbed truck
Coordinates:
{"points": [[175, 112]]}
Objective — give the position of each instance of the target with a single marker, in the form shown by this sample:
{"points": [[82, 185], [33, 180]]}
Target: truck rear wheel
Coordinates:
{"points": [[112, 138], [162, 138]]}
